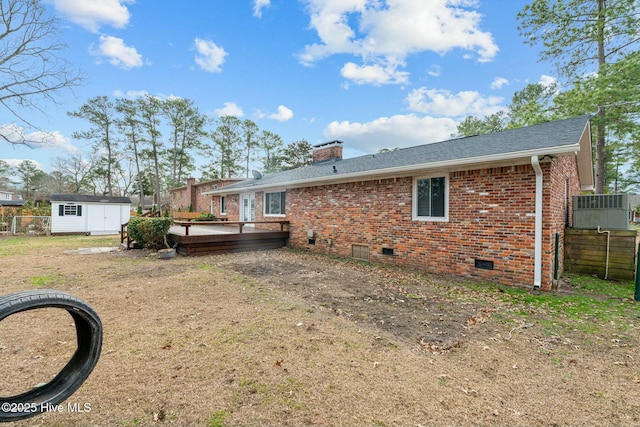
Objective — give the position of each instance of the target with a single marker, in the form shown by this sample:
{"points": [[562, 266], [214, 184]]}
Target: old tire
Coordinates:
{"points": [[75, 372]]}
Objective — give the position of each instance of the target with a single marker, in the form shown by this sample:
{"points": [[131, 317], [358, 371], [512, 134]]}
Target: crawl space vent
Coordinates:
{"points": [[484, 264], [360, 252]]}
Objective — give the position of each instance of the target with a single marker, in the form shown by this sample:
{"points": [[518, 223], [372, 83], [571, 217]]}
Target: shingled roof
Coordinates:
{"points": [[83, 198], [562, 137]]}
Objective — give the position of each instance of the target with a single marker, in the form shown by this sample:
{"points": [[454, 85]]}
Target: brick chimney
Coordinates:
{"points": [[327, 151]]}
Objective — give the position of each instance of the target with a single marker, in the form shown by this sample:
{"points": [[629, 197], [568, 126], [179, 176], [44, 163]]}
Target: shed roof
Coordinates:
{"points": [[12, 202], [562, 137], [83, 198]]}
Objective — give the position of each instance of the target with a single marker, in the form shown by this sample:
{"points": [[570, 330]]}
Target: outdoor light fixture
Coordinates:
{"points": [[310, 233]]}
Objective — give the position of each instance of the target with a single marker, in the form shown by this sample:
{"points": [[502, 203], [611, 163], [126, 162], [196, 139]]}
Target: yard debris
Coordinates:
{"points": [[479, 318], [439, 347], [523, 325], [470, 392], [159, 416]]}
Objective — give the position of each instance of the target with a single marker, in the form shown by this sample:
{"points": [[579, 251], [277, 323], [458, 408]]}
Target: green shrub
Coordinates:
{"points": [[206, 216], [150, 232]]}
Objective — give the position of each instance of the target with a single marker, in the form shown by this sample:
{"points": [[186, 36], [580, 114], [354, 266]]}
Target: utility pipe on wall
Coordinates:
{"points": [[537, 266], [606, 266]]}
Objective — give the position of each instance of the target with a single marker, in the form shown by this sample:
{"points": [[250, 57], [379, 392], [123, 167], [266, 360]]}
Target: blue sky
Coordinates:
{"points": [[371, 73]]}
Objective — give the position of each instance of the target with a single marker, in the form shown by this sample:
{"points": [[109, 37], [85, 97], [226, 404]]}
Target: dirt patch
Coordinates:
{"points": [[291, 338], [411, 307]]}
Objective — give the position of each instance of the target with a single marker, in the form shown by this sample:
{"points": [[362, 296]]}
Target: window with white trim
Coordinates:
{"points": [[70, 210], [274, 203], [223, 205], [431, 198]]}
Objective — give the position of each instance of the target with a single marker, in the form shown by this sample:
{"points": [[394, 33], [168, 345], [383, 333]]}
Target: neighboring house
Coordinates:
{"points": [[195, 195], [77, 213], [7, 198], [8, 203], [634, 204], [486, 206]]}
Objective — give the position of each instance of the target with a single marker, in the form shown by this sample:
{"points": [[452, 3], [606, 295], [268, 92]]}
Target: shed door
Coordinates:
{"points": [[112, 218], [104, 218]]}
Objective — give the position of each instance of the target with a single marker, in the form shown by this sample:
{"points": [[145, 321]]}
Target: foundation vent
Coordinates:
{"points": [[483, 264], [360, 252]]}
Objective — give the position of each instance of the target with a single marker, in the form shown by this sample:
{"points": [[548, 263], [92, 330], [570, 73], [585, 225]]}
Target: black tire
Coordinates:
{"points": [[75, 372]]}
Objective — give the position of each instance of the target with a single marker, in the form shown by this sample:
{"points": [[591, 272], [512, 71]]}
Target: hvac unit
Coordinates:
{"points": [[608, 211]]}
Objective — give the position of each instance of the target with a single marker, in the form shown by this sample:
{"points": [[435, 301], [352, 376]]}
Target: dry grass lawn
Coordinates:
{"points": [[287, 338]]}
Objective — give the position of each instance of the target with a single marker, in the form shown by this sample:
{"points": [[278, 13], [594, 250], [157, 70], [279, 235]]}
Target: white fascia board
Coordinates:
{"points": [[585, 159], [520, 157]]}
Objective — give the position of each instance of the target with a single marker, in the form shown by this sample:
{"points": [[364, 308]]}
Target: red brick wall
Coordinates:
{"points": [[491, 217], [183, 197], [561, 183], [233, 207]]}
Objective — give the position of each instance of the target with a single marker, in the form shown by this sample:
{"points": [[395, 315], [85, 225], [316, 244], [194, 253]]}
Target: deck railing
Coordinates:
{"points": [[240, 224]]}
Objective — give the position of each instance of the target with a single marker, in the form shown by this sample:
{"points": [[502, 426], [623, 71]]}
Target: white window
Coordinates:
{"points": [[431, 198], [70, 210], [223, 205], [274, 203]]}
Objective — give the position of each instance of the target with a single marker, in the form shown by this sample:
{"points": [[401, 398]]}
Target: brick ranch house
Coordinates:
{"points": [[195, 195], [486, 207]]}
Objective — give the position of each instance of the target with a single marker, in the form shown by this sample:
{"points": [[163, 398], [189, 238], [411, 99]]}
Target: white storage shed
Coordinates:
{"points": [[77, 213]]}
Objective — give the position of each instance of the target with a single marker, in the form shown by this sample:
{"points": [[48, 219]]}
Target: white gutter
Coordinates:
{"points": [[537, 267], [409, 169]]}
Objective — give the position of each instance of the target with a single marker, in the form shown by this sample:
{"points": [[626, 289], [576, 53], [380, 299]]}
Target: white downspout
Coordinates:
{"points": [[537, 267], [606, 268]]}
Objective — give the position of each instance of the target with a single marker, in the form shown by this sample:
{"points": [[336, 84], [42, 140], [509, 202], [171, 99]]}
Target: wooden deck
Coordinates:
{"points": [[206, 238]]}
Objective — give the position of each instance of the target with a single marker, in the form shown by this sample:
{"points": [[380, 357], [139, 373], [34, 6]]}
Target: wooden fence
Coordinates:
{"points": [[585, 252]]}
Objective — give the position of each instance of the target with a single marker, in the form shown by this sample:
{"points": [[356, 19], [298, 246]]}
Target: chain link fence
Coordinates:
{"points": [[31, 225]]}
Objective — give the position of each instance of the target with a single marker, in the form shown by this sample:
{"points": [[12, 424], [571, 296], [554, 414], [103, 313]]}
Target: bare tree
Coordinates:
{"points": [[31, 69], [75, 169]]}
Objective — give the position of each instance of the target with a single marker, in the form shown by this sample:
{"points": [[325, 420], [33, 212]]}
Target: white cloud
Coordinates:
{"points": [[12, 133], [258, 5], [210, 56], [442, 103], [434, 71], [284, 114], [91, 14], [229, 109], [499, 83], [386, 32], [132, 94], [547, 81], [390, 132], [119, 54], [373, 74], [14, 163]]}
